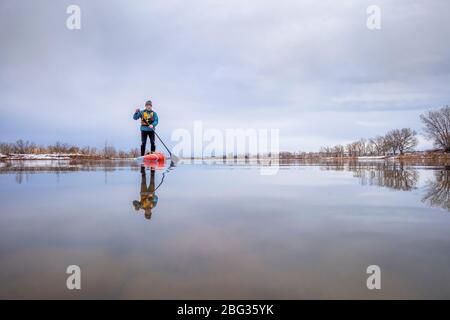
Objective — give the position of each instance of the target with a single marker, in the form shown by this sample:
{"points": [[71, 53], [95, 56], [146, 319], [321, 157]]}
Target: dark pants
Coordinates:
{"points": [[151, 187], [144, 135]]}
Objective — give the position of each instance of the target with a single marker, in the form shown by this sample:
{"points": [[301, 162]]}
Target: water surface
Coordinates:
{"points": [[223, 230]]}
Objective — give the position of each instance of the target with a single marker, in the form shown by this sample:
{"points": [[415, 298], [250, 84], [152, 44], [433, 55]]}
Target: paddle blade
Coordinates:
{"points": [[174, 158]]}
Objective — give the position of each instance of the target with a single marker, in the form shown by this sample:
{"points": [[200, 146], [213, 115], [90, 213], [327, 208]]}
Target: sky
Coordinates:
{"points": [[311, 69]]}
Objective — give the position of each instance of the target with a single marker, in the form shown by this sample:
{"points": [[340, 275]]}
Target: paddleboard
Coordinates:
{"points": [[155, 160], [157, 156]]}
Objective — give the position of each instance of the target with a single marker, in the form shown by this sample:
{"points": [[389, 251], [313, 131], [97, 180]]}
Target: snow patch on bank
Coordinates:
{"points": [[373, 158], [45, 156]]}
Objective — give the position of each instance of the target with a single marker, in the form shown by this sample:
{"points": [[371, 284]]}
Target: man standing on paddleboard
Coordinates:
{"points": [[149, 120]]}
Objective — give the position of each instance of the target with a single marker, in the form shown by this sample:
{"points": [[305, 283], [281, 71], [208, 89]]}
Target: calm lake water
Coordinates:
{"points": [[219, 230]]}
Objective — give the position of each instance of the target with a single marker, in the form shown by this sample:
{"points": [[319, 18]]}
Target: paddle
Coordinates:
{"points": [[173, 157]]}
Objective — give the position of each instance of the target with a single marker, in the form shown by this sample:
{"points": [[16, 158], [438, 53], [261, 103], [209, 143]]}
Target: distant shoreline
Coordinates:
{"points": [[434, 155], [49, 156]]}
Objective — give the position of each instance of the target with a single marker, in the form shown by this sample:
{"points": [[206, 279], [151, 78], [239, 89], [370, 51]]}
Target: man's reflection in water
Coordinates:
{"points": [[149, 199]]}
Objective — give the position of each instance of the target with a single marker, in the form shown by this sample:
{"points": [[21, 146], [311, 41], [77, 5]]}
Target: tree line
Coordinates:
{"points": [[398, 141], [27, 147]]}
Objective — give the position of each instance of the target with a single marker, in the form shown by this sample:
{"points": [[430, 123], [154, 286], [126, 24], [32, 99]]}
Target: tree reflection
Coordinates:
{"points": [[395, 176], [23, 170], [438, 191]]}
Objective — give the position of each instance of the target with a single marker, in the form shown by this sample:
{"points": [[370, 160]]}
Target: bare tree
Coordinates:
{"points": [[325, 151], [6, 148], [406, 139], [391, 142], [338, 150], [401, 140], [23, 147], [437, 127], [58, 147], [134, 153], [360, 147], [379, 144], [370, 148], [352, 149], [109, 152], [122, 154]]}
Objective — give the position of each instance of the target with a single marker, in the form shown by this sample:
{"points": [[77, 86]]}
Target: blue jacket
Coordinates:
{"points": [[143, 114]]}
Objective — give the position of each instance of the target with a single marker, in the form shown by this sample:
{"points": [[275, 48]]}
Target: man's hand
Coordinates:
{"points": [[137, 110], [150, 126]]}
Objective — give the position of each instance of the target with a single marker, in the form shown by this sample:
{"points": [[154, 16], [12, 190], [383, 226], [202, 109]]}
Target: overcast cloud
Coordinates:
{"points": [[310, 68]]}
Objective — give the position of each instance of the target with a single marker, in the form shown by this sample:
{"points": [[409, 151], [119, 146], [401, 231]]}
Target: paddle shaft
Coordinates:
{"points": [[170, 153]]}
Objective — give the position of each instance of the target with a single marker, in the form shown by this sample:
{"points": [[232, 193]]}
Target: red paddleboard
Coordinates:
{"points": [[154, 157], [156, 165]]}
